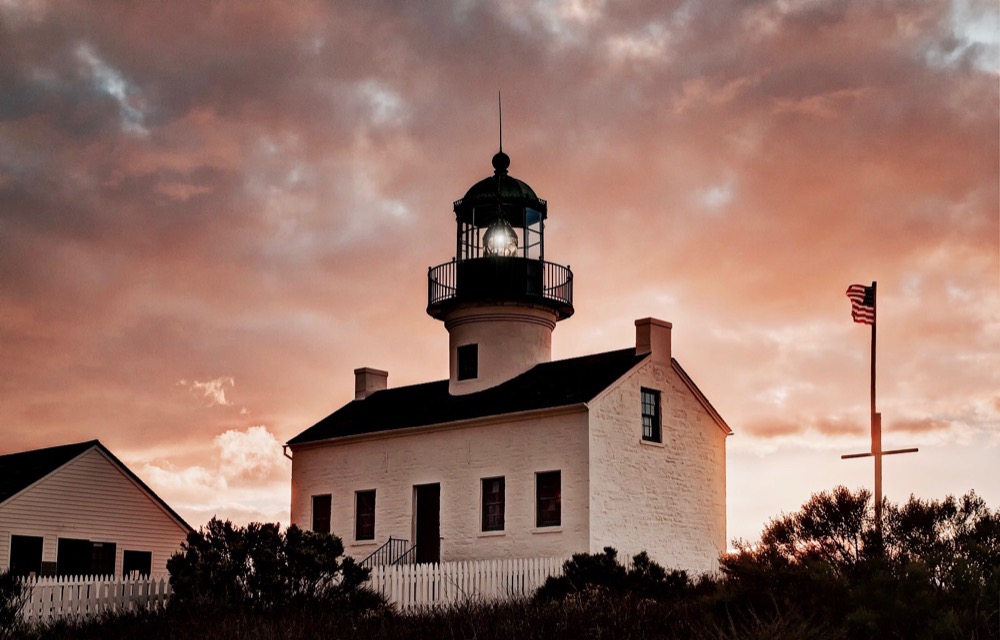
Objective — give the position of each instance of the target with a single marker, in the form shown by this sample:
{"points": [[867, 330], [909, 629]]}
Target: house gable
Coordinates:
{"points": [[21, 470], [667, 496], [91, 497]]}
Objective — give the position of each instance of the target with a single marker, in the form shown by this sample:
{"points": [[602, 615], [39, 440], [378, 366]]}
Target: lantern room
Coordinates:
{"points": [[498, 297], [500, 250]]}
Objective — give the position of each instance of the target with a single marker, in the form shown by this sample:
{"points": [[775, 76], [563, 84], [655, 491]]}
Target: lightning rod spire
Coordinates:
{"points": [[500, 111]]}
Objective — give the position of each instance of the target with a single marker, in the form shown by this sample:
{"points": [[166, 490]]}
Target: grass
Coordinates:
{"points": [[594, 615]]}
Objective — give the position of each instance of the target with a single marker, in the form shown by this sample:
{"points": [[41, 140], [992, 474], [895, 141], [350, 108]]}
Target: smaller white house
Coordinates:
{"points": [[77, 510]]}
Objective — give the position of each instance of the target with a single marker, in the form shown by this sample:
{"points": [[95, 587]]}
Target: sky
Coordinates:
{"points": [[211, 213]]}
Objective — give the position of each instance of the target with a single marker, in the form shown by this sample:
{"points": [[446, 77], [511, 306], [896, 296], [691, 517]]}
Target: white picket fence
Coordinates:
{"points": [[409, 587], [52, 598], [417, 586]]}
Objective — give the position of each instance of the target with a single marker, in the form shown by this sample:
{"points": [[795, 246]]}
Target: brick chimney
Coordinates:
{"points": [[367, 381], [653, 336]]}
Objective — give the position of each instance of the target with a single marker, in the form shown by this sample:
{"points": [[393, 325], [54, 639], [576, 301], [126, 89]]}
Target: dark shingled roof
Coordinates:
{"points": [[550, 384], [21, 470], [18, 471]]}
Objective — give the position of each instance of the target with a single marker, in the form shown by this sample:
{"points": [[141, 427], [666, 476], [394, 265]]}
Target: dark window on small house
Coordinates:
{"points": [[468, 362], [548, 499], [85, 558], [321, 513], [364, 515], [103, 559], [493, 504], [651, 415], [26, 555], [136, 563], [73, 557]]}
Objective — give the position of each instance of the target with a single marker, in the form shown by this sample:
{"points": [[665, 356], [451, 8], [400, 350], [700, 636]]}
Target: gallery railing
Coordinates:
{"points": [[495, 277]]}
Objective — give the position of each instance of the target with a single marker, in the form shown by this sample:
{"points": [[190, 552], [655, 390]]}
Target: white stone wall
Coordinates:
{"points": [[512, 338], [669, 499], [457, 458]]}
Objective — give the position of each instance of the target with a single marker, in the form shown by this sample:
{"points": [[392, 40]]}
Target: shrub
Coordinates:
{"points": [[933, 570], [602, 571], [13, 596], [259, 568]]}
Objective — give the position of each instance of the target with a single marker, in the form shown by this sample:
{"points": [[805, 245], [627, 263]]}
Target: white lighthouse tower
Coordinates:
{"points": [[498, 298]]}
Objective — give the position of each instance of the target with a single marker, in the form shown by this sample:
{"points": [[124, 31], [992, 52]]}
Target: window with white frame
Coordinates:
{"points": [[364, 515], [651, 430], [493, 503], [548, 499]]}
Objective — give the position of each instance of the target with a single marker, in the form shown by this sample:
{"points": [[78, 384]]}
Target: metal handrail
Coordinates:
{"points": [[409, 557], [556, 279], [388, 553]]}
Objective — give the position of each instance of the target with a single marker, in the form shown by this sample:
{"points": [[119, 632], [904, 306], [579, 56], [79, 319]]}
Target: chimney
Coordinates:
{"points": [[653, 336], [367, 381]]}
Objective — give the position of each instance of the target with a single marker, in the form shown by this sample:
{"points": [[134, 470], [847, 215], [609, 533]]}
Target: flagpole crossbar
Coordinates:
{"points": [[847, 456]]}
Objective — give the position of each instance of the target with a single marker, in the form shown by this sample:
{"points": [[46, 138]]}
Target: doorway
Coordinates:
{"points": [[427, 522]]}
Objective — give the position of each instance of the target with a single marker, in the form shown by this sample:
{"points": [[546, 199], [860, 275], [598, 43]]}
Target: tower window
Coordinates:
{"points": [[468, 362], [651, 415]]}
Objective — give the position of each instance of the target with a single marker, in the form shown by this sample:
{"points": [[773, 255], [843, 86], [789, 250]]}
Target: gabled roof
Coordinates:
{"points": [[544, 386], [18, 471]]}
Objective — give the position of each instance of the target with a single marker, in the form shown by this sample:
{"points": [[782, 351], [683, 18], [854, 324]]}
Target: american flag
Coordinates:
{"points": [[862, 303]]}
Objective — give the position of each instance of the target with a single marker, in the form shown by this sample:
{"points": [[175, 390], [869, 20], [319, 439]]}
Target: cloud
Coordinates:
{"points": [[214, 390], [245, 478], [253, 453]]}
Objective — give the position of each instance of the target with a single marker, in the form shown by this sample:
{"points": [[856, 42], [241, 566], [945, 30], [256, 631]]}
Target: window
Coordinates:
{"points": [[26, 555], [102, 559], [321, 514], [493, 504], [85, 558], [468, 362], [364, 515], [136, 563], [548, 499], [651, 415]]}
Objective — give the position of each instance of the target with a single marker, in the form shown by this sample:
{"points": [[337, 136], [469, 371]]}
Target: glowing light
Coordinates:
{"points": [[500, 239]]}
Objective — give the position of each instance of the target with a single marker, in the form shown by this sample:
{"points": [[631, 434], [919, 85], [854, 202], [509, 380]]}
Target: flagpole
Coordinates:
{"points": [[859, 312], [876, 426]]}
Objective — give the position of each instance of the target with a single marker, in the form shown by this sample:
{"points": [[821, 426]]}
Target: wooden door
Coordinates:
{"points": [[428, 522]]}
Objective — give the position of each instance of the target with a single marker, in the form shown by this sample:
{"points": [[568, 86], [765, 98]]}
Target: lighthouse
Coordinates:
{"points": [[498, 297]]}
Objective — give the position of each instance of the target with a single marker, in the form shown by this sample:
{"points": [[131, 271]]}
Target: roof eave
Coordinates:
{"points": [[501, 418], [700, 397]]}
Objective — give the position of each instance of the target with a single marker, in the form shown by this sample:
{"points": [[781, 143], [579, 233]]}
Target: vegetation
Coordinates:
{"points": [[258, 568], [822, 573], [932, 572], [601, 572], [12, 598]]}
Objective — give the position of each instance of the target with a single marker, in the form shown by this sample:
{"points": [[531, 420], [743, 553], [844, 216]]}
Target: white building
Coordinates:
{"points": [[77, 510], [515, 455]]}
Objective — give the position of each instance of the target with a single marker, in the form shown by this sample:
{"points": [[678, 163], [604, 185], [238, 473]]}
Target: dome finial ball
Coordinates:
{"points": [[501, 161]]}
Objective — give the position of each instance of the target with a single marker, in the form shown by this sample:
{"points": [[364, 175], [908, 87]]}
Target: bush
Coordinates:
{"points": [[601, 571], [933, 571], [259, 568], [13, 596]]}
